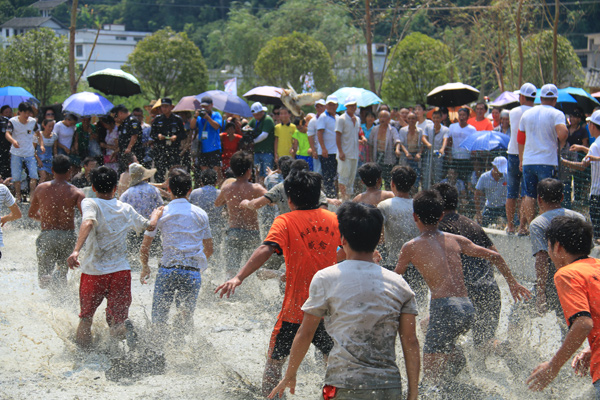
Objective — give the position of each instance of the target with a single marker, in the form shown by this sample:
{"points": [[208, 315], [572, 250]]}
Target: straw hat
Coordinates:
{"points": [[138, 174]]}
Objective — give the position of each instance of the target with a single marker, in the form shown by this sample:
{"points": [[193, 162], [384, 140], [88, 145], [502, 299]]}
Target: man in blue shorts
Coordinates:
{"points": [[542, 131]]}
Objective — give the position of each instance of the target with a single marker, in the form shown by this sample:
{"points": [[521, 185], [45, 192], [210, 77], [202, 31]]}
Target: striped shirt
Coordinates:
{"points": [[595, 187], [6, 200]]}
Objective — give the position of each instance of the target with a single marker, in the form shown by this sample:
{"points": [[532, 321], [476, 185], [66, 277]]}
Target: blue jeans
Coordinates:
{"points": [[263, 160], [16, 167], [174, 284], [329, 172], [533, 174], [516, 187]]}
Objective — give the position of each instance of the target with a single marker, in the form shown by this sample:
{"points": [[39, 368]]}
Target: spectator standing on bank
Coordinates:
{"points": [[167, 134], [516, 187], [459, 131], [229, 143], [209, 124], [283, 134], [492, 186], [311, 132], [384, 144], [263, 128], [300, 143], [129, 134], [542, 131], [480, 122], [327, 140], [5, 115], [436, 137], [347, 130], [504, 122], [44, 158]]}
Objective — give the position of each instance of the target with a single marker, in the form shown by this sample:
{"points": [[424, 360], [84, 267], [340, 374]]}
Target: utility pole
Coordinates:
{"points": [[369, 46], [555, 43]]}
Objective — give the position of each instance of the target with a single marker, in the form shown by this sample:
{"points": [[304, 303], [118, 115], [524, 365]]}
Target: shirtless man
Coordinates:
{"points": [[53, 204], [437, 256], [243, 233], [412, 144], [370, 174]]}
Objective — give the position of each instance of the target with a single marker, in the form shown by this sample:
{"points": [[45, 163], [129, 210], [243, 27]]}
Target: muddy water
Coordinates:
{"points": [[222, 359]]}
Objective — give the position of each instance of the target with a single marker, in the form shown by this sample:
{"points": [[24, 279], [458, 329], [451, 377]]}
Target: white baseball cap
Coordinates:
{"points": [[350, 100], [331, 99], [320, 102], [594, 118], [528, 90], [501, 163], [549, 91], [257, 107]]}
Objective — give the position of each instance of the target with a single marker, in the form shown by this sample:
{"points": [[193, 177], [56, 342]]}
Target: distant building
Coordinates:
{"points": [[18, 26], [46, 6], [112, 48], [590, 60]]}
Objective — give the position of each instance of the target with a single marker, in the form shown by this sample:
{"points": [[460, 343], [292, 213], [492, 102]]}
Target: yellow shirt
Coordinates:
{"points": [[284, 133]]}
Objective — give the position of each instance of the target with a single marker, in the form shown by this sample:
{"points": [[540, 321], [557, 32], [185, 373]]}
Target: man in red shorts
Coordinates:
{"points": [[105, 270], [308, 237]]}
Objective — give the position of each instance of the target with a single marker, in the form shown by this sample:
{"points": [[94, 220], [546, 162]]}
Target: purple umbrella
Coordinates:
{"points": [[506, 100], [265, 94], [228, 103]]}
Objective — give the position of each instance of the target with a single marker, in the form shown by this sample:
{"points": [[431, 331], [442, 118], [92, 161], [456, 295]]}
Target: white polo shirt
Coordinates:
{"points": [[539, 124], [349, 131], [515, 118], [327, 123]]}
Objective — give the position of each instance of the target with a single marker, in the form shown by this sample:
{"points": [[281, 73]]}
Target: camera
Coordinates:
{"points": [[202, 113]]}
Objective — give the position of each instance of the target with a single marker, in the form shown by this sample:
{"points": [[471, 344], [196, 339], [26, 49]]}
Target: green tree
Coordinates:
{"points": [[418, 64], [37, 61], [285, 59], [537, 61], [168, 64]]}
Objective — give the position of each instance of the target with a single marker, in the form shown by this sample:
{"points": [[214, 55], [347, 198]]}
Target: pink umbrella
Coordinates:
{"points": [[187, 103], [265, 94]]}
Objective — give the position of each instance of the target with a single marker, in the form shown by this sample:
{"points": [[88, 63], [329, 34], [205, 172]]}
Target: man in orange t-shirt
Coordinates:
{"points": [[578, 285], [308, 237], [480, 122]]}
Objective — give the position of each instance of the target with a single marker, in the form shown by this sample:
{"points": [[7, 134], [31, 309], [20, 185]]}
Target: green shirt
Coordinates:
{"points": [[303, 143], [265, 125], [83, 139]]}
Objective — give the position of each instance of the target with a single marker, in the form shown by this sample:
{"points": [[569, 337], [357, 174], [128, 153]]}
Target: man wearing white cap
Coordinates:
{"points": [[347, 127], [327, 140], [516, 187], [592, 158], [311, 132], [491, 184], [542, 131], [264, 138]]}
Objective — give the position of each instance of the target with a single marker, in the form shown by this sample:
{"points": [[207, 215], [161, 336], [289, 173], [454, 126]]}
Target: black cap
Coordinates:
{"points": [[166, 100], [206, 100]]}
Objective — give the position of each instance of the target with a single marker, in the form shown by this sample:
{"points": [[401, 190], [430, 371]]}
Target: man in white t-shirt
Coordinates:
{"points": [[105, 272], [311, 132], [459, 131], [541, 130], [327, 140], [365, 307], [422, 122], [347, 127], [516, 188], [21, 132], [65, 130]]}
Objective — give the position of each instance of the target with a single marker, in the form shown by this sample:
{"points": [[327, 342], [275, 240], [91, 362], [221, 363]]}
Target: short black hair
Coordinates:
{"points": [[208, 177], [61, 164], [481, 103], [449, 195], [299, 165], [465, 109], [137, 109], [228, 125], [285, 165], [46, 121], [429, 206], [370, 173], [180, 183], [403, 177], [119, 108], [104, 179], [437, 112], [550, 190], [88, 160], [360, 224], [25, 107], [109, 120], [303, 188], [420, 105], [574, 234], [4, 107], [240, 163]]}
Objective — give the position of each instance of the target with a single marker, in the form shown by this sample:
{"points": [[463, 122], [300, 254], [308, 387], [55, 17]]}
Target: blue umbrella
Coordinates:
{"points": [[87, 104], [227, 102], [14, 95], [363, 97], [485, 141]]}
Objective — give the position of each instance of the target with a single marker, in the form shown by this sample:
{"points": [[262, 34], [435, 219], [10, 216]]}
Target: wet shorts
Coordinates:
{"points": [[210, 159], [283, 336], [449, 317], [330, 392], [53, 247], [534, 174], [115, 287]]}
